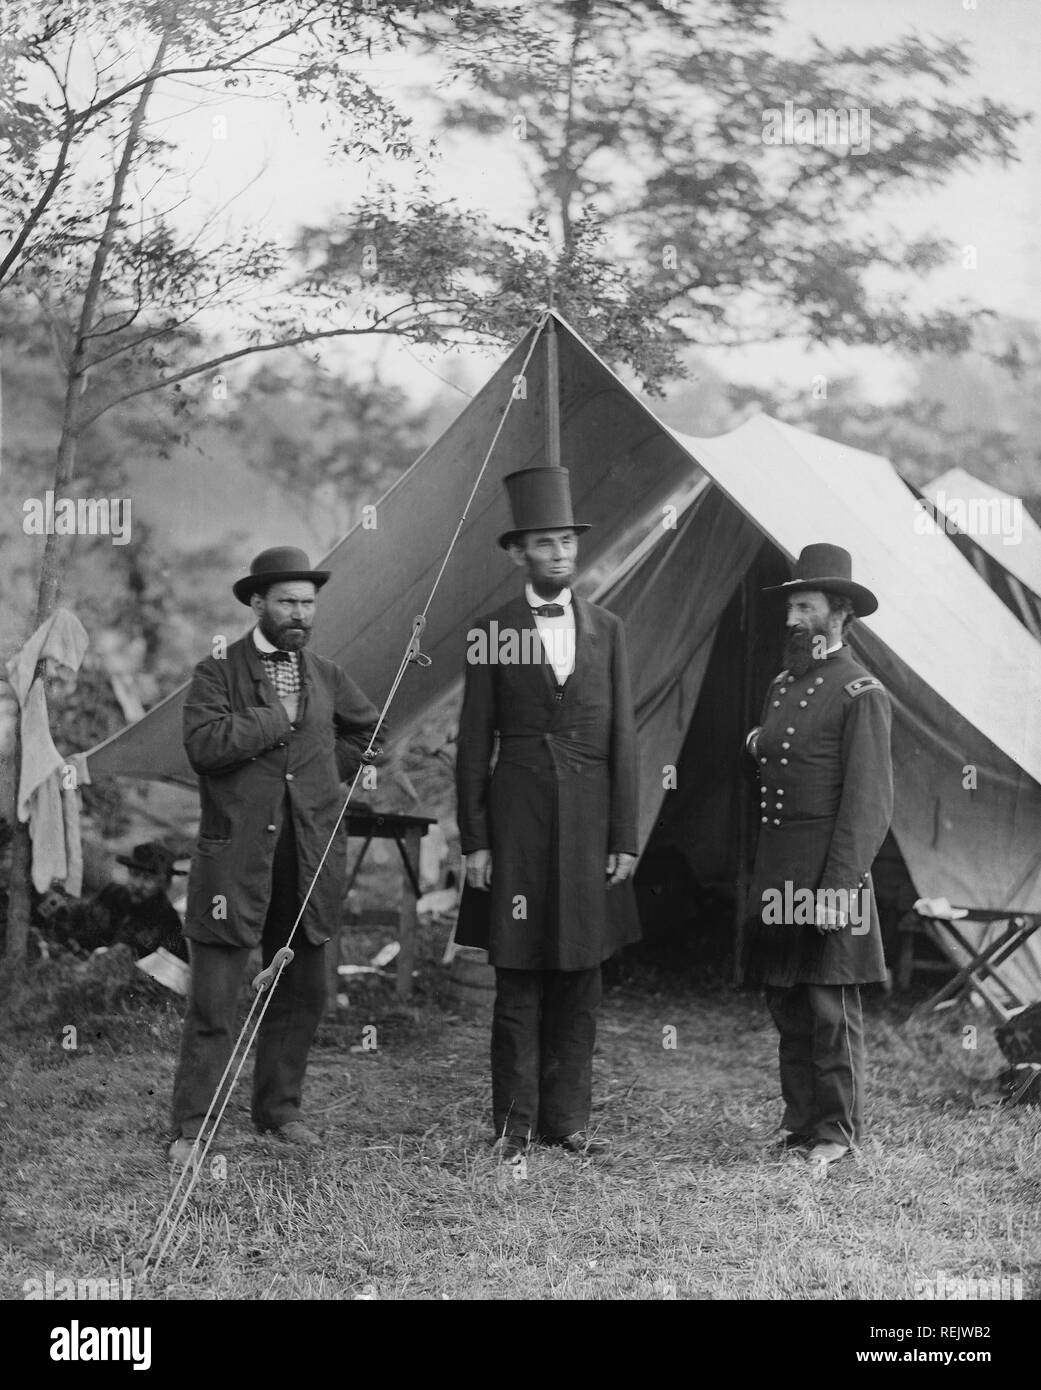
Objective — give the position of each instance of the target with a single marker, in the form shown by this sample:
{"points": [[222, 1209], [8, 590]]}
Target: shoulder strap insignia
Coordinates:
{"points": [[863, 683]]}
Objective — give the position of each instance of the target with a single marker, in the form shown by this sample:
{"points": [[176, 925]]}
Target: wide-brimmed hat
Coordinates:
{"points": [[540, 500], [151, 858], [277, 566], [828, 568]]}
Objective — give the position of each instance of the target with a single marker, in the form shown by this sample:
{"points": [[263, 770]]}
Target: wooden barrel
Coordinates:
{"points": [[470, 987]]}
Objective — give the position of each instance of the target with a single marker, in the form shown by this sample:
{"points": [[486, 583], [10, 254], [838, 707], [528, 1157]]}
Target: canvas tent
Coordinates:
{"points": [[985, 512], [996, 532], [685, 533]]}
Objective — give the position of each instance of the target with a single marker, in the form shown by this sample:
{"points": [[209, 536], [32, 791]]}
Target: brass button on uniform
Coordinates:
{"points": [[802, 704], [784, 762], [777, 704], [272, 827], [765, 819], [786, 746], [789, 731], [777, 822], [289, 776]]}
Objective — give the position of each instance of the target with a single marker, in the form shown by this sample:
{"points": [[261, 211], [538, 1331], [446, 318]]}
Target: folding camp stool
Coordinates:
{"points": [[981, 972]]}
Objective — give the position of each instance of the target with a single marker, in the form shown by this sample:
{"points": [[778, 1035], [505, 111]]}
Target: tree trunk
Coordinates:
{"points": [[18, 901], [52, 568]]}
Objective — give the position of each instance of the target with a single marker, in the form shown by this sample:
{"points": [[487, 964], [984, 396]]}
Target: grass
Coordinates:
{"points": [[405, 1201]]}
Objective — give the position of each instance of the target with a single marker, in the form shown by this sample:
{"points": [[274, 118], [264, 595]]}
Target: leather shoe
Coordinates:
{"points": [[795, 1142], [581, 1142], [183, 1149], [824, 1154], [508, 1148], [296, 1132]]}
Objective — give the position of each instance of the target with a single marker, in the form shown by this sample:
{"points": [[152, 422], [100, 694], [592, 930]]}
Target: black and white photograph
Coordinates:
{"points": [[520, 668]]}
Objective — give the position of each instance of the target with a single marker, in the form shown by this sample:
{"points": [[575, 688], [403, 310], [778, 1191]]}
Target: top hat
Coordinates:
{"points": [[150, 858], [828, 568], [277, 566], [540, 500]]}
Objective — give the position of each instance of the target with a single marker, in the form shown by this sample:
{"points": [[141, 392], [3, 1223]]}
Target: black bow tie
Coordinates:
{"points": [[550, 610], [278, 656]]}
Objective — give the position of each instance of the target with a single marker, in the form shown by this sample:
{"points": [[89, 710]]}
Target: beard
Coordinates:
{"points": [[289, 637], [799, 655], [549, 586]]}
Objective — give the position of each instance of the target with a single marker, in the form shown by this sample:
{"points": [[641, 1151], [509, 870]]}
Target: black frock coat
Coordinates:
{"points": [[561, 796]]}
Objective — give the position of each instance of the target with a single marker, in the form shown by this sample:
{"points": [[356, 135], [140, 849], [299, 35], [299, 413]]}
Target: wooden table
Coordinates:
{"points": [[406, 831]]}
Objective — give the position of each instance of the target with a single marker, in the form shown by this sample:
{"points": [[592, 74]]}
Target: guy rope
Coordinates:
{"points": [[266, 982]]}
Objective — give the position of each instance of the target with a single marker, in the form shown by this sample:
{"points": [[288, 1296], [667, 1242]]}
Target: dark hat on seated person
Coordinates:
{"points": [[829, 569], [151, 858], [279, 565]]}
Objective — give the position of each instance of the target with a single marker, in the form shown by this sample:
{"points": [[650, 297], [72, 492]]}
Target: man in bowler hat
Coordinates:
{"points": [[272, 730], [549, 835], [825, 782]]}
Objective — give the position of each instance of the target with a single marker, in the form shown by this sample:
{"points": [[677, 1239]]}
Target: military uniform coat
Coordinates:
{"points": [[825, 784], [562, 795], [254, 767]]}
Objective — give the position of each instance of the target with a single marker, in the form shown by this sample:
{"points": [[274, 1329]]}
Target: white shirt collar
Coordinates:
{"points": [[262, 644], [837, 647], [563, 598]]}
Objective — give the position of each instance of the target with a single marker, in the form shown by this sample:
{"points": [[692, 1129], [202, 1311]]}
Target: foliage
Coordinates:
{"points": [[652, 118]]}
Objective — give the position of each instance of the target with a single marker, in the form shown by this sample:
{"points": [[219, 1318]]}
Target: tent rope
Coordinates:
{"points": [[266, 982]]}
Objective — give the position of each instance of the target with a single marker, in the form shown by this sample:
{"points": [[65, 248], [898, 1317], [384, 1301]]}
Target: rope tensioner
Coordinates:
{"points": [[266, 978], [414, 654], [266, 982]]}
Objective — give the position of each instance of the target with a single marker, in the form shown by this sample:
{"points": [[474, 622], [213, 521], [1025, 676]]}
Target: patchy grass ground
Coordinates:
{"points": [[406, 1202]]}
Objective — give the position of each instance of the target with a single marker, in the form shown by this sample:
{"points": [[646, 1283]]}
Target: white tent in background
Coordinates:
{"points": [[997, 521]]}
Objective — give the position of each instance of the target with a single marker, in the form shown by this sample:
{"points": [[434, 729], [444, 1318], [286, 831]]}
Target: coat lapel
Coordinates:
{"points": [[255, 666], [587, 635]]}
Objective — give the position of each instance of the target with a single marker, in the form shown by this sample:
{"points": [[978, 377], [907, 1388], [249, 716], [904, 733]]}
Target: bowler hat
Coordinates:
{"points": [[150, 858], [540, 500], [277, 566], [828, 568]]}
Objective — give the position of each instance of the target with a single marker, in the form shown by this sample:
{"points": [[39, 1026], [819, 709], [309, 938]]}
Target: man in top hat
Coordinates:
{"points": [[137, 913], [825, 783], [271, 729], [550, 833]]}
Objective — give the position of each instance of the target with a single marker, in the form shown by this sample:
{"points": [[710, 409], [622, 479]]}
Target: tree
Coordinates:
{"points": [[716, 167], [98, 232], [331, 441]]}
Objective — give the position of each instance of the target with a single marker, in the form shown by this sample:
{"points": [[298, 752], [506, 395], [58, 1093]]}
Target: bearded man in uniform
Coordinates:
{"points": [[825, 779]]}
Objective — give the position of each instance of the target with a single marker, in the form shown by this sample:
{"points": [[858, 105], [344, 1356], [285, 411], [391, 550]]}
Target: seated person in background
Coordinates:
{"points": [[138, 912]]}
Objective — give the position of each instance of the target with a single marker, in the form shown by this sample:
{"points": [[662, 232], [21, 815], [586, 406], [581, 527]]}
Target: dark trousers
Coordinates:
{"points": [[211, 1023], [821, 1055], [543, 1034]]}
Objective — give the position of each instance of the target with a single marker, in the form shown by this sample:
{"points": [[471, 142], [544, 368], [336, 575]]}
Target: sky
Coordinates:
{"points": [[998, 211]]}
